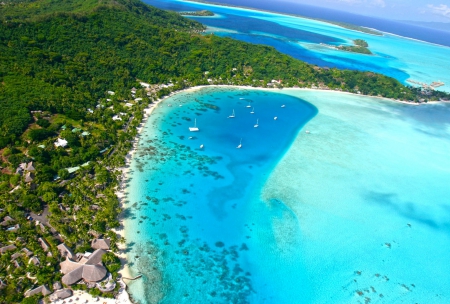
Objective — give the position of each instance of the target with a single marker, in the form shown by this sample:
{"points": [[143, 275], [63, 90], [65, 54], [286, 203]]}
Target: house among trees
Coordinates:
{"points": [[29, 177], [6, 220], [90, 270], [21, 168], [27, 252], [35, 261], [44, 244], [66, 251], [101, 244], [30, 167], [39, 290], [61, 294], [7, 248]]}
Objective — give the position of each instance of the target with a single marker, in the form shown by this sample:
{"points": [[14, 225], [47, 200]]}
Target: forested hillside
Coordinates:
{"points": [[63, 61]]}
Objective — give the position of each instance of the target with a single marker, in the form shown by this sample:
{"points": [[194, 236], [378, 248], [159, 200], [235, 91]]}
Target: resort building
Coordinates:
{"points": [[101, 244], [89, 269], [66, 251], [44, 243], [61, 294], [7, 248], [39, 290]]}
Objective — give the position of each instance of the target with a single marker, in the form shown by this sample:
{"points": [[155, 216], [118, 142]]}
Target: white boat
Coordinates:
{"points": [[275, 118], [194, 128], [256, 123], [307, 132], [201, 146], [283, 106], [253, 111], [232, 115], [241, 98], [240, 145], [190, 137], [249, 106]]}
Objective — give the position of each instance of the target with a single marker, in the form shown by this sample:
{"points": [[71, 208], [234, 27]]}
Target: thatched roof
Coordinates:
{"points": [[96, 257], [66, 251], [73, 276], [27, 251], [30, 167], [7, 248], [57, 285], [34, 260], [15, 255], [61, 294], [29, 177], [92, 271], [6, 220], [39, 290], [101, 244], [44, 244]]}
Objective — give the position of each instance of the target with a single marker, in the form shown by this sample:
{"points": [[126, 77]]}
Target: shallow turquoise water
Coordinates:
{"points": [[356, 208]]}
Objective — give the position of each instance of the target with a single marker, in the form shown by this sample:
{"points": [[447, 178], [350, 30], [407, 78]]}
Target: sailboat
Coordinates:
{"points": [[194, 128], [232, 115], [249, 106], [240, 145], [253, 111], [256, 123]]}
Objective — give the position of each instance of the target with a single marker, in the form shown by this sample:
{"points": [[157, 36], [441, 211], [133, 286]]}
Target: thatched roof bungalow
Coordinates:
{"points": [[91, 271], [7, 248], [101, 244], [39, 290], [66, 251], [61, 294]]}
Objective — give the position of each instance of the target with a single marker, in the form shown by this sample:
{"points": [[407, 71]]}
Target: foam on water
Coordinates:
{"points": [[358, 208]]}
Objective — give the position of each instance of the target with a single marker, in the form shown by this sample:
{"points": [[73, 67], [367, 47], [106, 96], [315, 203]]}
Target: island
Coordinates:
{"points": [[361, 46], [202, 13], [76, 79]]}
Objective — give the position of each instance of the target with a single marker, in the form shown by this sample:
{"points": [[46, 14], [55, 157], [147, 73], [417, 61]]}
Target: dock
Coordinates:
{"points": [[432, 86], [132, 279]]}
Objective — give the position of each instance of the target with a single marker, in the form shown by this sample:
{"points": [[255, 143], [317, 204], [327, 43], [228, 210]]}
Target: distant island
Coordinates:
{"points": [[202, 13], [341, 24], [361, 46]]}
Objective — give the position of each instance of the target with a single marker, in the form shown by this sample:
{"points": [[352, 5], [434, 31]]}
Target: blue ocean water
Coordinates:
{"points": [[352, 211], [196, 204], [304, 39]]}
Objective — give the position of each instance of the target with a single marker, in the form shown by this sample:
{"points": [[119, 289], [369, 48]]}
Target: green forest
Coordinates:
{"points": [[67, 72]]}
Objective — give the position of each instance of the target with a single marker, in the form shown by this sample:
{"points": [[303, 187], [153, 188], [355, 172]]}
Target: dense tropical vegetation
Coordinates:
{"points": [[67, 69]]}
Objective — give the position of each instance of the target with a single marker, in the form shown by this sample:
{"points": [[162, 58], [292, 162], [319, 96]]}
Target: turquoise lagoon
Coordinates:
{"points": [[356, 209]]}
